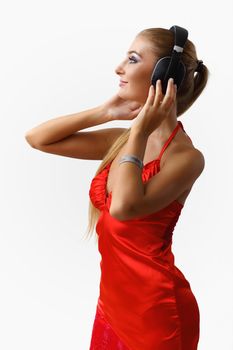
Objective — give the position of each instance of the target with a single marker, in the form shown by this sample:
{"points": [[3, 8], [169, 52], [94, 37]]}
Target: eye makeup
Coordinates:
{"points": [[132, 60]]}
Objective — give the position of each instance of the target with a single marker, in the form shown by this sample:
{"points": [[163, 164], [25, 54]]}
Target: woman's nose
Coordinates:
{"points": [[119, 69]]}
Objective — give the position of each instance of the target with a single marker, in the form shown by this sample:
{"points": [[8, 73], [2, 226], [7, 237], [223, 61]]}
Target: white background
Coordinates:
{"points": [[58, 58]]}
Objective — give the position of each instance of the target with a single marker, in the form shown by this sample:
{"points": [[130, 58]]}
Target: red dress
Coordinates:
{"points": [[145, 301]]}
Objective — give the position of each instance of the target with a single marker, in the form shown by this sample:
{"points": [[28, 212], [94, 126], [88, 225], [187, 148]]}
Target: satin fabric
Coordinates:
{"points": [[103, 336], [145, 300]]}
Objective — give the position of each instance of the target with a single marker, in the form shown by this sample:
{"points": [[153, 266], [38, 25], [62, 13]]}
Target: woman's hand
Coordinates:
{"points": [[119, 109], [156, 108]]}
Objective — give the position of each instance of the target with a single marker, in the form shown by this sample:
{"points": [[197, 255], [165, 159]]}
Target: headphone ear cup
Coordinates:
{"points": [[160, 69], [179, 74]]}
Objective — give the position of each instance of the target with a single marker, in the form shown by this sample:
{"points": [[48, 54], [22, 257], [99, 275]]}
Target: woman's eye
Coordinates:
{"points": [[132, 60]]}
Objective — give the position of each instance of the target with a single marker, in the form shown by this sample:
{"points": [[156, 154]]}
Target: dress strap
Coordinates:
{"points": [[184, 130], [179, 125]]}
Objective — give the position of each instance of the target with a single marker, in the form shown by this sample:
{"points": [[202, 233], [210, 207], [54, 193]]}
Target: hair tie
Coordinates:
{"points": [[199, 66]]}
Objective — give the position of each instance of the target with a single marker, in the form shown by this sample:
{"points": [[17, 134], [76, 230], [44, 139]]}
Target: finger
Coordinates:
{"points": [[159, 94], [150, 98], [170, 94], [134, 113], [174, 89]]}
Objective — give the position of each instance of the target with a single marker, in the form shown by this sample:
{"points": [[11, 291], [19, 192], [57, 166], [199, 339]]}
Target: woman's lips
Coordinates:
{"points": [[123, 83]]}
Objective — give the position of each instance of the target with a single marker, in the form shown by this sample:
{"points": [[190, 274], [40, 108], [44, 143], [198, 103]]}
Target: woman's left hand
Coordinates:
{"points": [[156, 108]]}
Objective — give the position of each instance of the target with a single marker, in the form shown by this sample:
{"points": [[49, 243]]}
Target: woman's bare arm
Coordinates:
{"points": [[61, 135], [59, 128]]}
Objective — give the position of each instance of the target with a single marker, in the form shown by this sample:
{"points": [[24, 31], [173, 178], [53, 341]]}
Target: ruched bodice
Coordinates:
{"points": [[98, 192]]}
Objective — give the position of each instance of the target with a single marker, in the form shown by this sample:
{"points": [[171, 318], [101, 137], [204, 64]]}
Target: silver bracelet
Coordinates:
{"points": [[133, 159]]}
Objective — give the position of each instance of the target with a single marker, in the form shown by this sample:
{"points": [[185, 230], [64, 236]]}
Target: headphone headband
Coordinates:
{"points": [[178, 48], [180, 35]]}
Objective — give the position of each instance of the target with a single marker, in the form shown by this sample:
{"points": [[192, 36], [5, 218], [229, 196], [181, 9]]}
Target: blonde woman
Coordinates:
{"points": [[137, 195]]}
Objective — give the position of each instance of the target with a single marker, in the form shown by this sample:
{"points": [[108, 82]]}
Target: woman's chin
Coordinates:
{"points": [[123, 94], [126, 96]]}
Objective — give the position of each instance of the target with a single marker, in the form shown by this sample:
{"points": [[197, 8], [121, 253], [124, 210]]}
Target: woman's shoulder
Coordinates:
{"points": [[184, 147], [189, 151]]}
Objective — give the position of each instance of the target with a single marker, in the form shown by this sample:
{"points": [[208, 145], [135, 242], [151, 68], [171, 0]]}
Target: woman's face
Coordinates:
{"points": [[136, 69]]}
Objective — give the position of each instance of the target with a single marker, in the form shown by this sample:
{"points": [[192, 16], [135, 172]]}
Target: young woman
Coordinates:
{"points": [[137, 196]]}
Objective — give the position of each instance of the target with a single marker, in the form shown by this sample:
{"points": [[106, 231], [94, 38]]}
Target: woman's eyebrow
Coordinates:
{"points": [[132, 51]]}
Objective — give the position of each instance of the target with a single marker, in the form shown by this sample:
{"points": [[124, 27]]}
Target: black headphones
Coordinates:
{"points": [[172, 66]]}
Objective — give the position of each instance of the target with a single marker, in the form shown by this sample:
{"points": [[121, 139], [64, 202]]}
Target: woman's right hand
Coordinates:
{"points": [[119, 109]]}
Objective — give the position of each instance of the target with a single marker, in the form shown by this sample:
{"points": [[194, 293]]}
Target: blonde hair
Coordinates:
{"points": [[162, 42]]}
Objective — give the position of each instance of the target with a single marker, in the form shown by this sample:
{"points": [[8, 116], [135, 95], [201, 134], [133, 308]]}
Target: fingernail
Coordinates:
{"points": [[172, 80]]}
